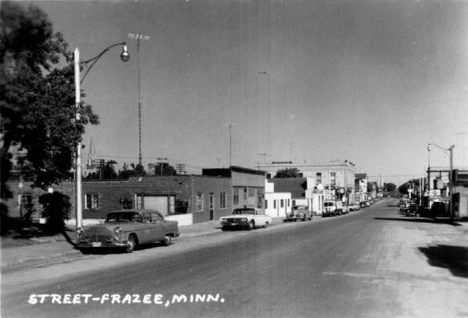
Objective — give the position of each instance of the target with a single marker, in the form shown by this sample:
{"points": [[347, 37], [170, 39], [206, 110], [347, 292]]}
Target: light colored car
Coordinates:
{"points": [[245, 218], [127, 229], [345, 209], [331, 207], [354, 207], [299, 212]]}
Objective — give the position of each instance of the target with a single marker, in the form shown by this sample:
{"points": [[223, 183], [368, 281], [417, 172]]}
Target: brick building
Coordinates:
{"points": [[187, 198]]}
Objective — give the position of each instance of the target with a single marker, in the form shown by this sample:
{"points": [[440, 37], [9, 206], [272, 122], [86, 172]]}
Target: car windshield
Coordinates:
{"points": [[244, 211], [328, 203], [122, 217]]}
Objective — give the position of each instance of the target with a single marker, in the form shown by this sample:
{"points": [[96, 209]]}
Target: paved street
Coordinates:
{"points": [[370, 263]]}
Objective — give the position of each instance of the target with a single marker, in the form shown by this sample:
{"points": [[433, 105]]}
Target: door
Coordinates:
{"points": [[212, 206], [158, 203]]}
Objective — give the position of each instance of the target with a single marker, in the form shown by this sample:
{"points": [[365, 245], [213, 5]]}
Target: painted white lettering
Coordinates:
{"points": [[42, 297], [127, 299], [67, 299], [158, 299], [212, 298], [32, 299], [55, 299], [199, 297], [86, 297], [136, 299], [179, 299], [76, 299], [115, 298], [147, 299], [104, 297]]}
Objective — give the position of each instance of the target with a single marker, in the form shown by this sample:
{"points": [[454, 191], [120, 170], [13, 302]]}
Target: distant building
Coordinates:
{"points": [[277, 204], [303, 192], [361, 187], [336, 177]]}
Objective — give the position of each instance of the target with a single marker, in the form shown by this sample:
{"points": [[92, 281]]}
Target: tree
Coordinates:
{"points": [[55, 208], [411, 184], [288, 173], [132, 171], [389, 187], [108, 171], [38, 100], [167, 170]]}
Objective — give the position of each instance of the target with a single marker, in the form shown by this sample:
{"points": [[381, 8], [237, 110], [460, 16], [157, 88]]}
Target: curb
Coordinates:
{"points": [[41, 260], [66, 256]]}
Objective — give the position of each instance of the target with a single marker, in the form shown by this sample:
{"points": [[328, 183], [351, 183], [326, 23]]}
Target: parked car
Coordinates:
{"points": [[345, 209], [331, 207], [354, 206], [299, 212], [245, 218], [404, 205], [126, 229], [439, 208], [411, 210]]}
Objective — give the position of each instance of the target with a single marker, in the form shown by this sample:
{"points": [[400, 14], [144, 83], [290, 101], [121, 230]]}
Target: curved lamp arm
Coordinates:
{"points": [[124, 56], [444, 149]]}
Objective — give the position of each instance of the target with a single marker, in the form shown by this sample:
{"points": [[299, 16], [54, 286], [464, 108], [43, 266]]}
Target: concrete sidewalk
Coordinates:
{"points": [[43, 251]]}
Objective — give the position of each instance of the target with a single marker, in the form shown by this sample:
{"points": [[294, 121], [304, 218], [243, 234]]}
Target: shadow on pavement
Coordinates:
{"points": [[393, 206], [454, 258], [68, 238], [419, 220]]}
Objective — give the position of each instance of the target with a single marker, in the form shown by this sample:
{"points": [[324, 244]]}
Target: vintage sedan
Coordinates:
{"points": [[127, 229], [245, 218], [299, 212]]}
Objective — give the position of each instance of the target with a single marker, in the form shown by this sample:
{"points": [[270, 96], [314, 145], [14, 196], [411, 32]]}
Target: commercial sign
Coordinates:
{"points": [[434, 193], [460, 177]]}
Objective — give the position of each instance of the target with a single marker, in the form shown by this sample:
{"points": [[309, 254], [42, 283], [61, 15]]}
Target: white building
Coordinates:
{"points": [[335, 176], [302, 191], [277, 204]]}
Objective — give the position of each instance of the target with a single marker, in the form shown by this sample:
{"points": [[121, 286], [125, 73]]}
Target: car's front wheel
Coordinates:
{"points": [[131, 244], [167, 241], [251, 225]]}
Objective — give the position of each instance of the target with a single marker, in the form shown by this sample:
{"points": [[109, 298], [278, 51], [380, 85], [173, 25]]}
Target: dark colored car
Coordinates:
{"points": [[411, 210], [299, 212], [125, 229], [438, 208]]}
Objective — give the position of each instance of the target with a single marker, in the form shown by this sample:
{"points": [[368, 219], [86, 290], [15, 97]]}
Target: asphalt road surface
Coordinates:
{"points": [[363, 264]]}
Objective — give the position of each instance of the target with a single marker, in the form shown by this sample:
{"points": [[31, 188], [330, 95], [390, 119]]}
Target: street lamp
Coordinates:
{"points": [[450, 149], [124, 56]]}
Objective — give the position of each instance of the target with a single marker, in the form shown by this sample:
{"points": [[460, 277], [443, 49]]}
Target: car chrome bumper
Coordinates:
{"points": [[96, 245]]}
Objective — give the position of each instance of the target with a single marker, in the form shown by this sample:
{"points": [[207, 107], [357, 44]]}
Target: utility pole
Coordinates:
{"points": [[290, 150], [264, 157], [450, 149], [463, 133], [230, 143], [139, 37]]}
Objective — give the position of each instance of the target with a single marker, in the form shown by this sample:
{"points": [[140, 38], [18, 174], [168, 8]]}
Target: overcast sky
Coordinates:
{"points": [[310, 81]]}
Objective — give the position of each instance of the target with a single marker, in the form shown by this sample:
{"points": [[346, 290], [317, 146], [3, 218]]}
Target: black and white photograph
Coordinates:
{"points": [[234, 158]]}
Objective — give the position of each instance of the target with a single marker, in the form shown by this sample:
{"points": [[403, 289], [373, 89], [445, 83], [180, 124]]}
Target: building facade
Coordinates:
{"points": [[336, 177], [187, 198], [277, 204], [303, 192]]}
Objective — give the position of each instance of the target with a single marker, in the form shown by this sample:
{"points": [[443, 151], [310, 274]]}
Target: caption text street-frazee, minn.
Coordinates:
{"points": [[115, 299]]}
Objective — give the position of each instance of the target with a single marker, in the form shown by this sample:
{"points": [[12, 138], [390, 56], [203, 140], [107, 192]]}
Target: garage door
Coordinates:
{"points": [[164, 204], [157, 203]]}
